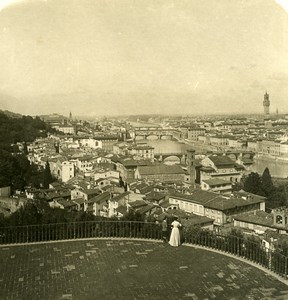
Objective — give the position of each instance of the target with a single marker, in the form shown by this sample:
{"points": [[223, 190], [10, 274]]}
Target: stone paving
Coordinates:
{"points": [[123, 269]]}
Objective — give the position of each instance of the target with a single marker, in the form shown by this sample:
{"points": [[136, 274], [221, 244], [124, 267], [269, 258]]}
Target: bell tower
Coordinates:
{"points": [[191, 166], [266, 104]]}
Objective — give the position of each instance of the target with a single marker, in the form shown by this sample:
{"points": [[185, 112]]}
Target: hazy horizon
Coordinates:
{"points": [[146, 57]]}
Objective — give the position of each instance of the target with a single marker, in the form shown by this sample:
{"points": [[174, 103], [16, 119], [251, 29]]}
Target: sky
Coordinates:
{"points": [[109, 57]]}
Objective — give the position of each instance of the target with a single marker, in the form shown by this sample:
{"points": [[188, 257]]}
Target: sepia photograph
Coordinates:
{"points": [[143, 149]]}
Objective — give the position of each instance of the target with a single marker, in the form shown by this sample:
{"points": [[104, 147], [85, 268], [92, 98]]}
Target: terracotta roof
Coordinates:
{"points": [[122, 209], [166, 204], [146, 189], [216, 181], [160, 169], [100, 198], [79, 200], [198, 196], [134, 163], [65, 203], [221, 161], [207, 169], [216, 201], [144, 209], [138, 203], [197, 220], [119, 197], [91, 192], [155, 196], [222, 203], [258, 217]]}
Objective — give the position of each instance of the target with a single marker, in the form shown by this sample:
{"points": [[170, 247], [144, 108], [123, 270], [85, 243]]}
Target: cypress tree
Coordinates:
{"points": [[266, 182], [47, 176]]}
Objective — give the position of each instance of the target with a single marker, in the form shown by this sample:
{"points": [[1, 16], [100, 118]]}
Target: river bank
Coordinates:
{"points": [[278, 167]]}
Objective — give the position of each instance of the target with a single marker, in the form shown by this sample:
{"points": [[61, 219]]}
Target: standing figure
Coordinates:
{"points": [[164, 229], [175, 234]]}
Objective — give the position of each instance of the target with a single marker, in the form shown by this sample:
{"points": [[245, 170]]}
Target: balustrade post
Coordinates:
{"points": [[27, 234], [130, 229]]}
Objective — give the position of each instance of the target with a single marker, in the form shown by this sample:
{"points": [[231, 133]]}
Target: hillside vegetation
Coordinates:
{"points": [[15, 169]]}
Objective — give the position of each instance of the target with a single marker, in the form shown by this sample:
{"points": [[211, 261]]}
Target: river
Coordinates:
{"points": [[277, 168], [167, 146]]}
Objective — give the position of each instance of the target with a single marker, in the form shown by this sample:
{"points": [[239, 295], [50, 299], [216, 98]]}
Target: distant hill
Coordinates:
{"points": [[10, 114], [54, 116], [17, 128]]}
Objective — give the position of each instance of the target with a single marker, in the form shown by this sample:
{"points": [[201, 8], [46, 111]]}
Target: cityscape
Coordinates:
{"points": [[143, 149]]}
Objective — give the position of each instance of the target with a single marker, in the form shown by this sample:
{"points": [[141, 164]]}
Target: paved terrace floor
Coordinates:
{"points": [[129, 269]]}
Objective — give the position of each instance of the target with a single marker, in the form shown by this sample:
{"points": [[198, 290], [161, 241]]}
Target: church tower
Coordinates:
{"points": [[266, 104], [191, 166]]}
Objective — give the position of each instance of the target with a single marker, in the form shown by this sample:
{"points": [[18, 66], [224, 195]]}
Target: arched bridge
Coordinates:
{"points": [[162, 156], [244, 156], [153, 133]]}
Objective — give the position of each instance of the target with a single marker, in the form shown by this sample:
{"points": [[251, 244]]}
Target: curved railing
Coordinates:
{"points": [[238, 246], [78, 230]]}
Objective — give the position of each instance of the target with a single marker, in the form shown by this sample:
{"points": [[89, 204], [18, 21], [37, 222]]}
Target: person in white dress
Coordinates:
{"points": [[175, 234]]}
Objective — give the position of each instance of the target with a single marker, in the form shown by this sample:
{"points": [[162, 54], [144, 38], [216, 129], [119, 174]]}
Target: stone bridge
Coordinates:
{"points": [[160, 133], [162, 156], [240, 154]]}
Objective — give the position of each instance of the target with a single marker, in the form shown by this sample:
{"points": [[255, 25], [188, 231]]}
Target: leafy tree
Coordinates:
{"points": [[26, 215], [15, 170], [267, 184], [276, 198], [253, 184], [263, 186], [54, 215], [237, 186], [132, 215]]}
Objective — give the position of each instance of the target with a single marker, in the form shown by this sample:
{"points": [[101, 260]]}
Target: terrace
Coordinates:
{"points": [[126, 260]]}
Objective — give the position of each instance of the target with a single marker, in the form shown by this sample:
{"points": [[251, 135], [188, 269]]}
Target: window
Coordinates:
{"points": [[279, 219]]}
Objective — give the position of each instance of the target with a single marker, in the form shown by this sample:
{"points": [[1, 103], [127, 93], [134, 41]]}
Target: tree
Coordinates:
{"points": [[267, 184], [26, 215], [253, 184], [121, 182], [276, 198], [47, 177], [25, 149], [132, 215]]}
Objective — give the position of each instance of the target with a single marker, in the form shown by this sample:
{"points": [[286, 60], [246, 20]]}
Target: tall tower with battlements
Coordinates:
{"points": [[266, 104]]}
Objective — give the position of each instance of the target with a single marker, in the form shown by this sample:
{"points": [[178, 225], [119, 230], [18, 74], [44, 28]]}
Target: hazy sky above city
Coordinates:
{"points": [[143, 56]]}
